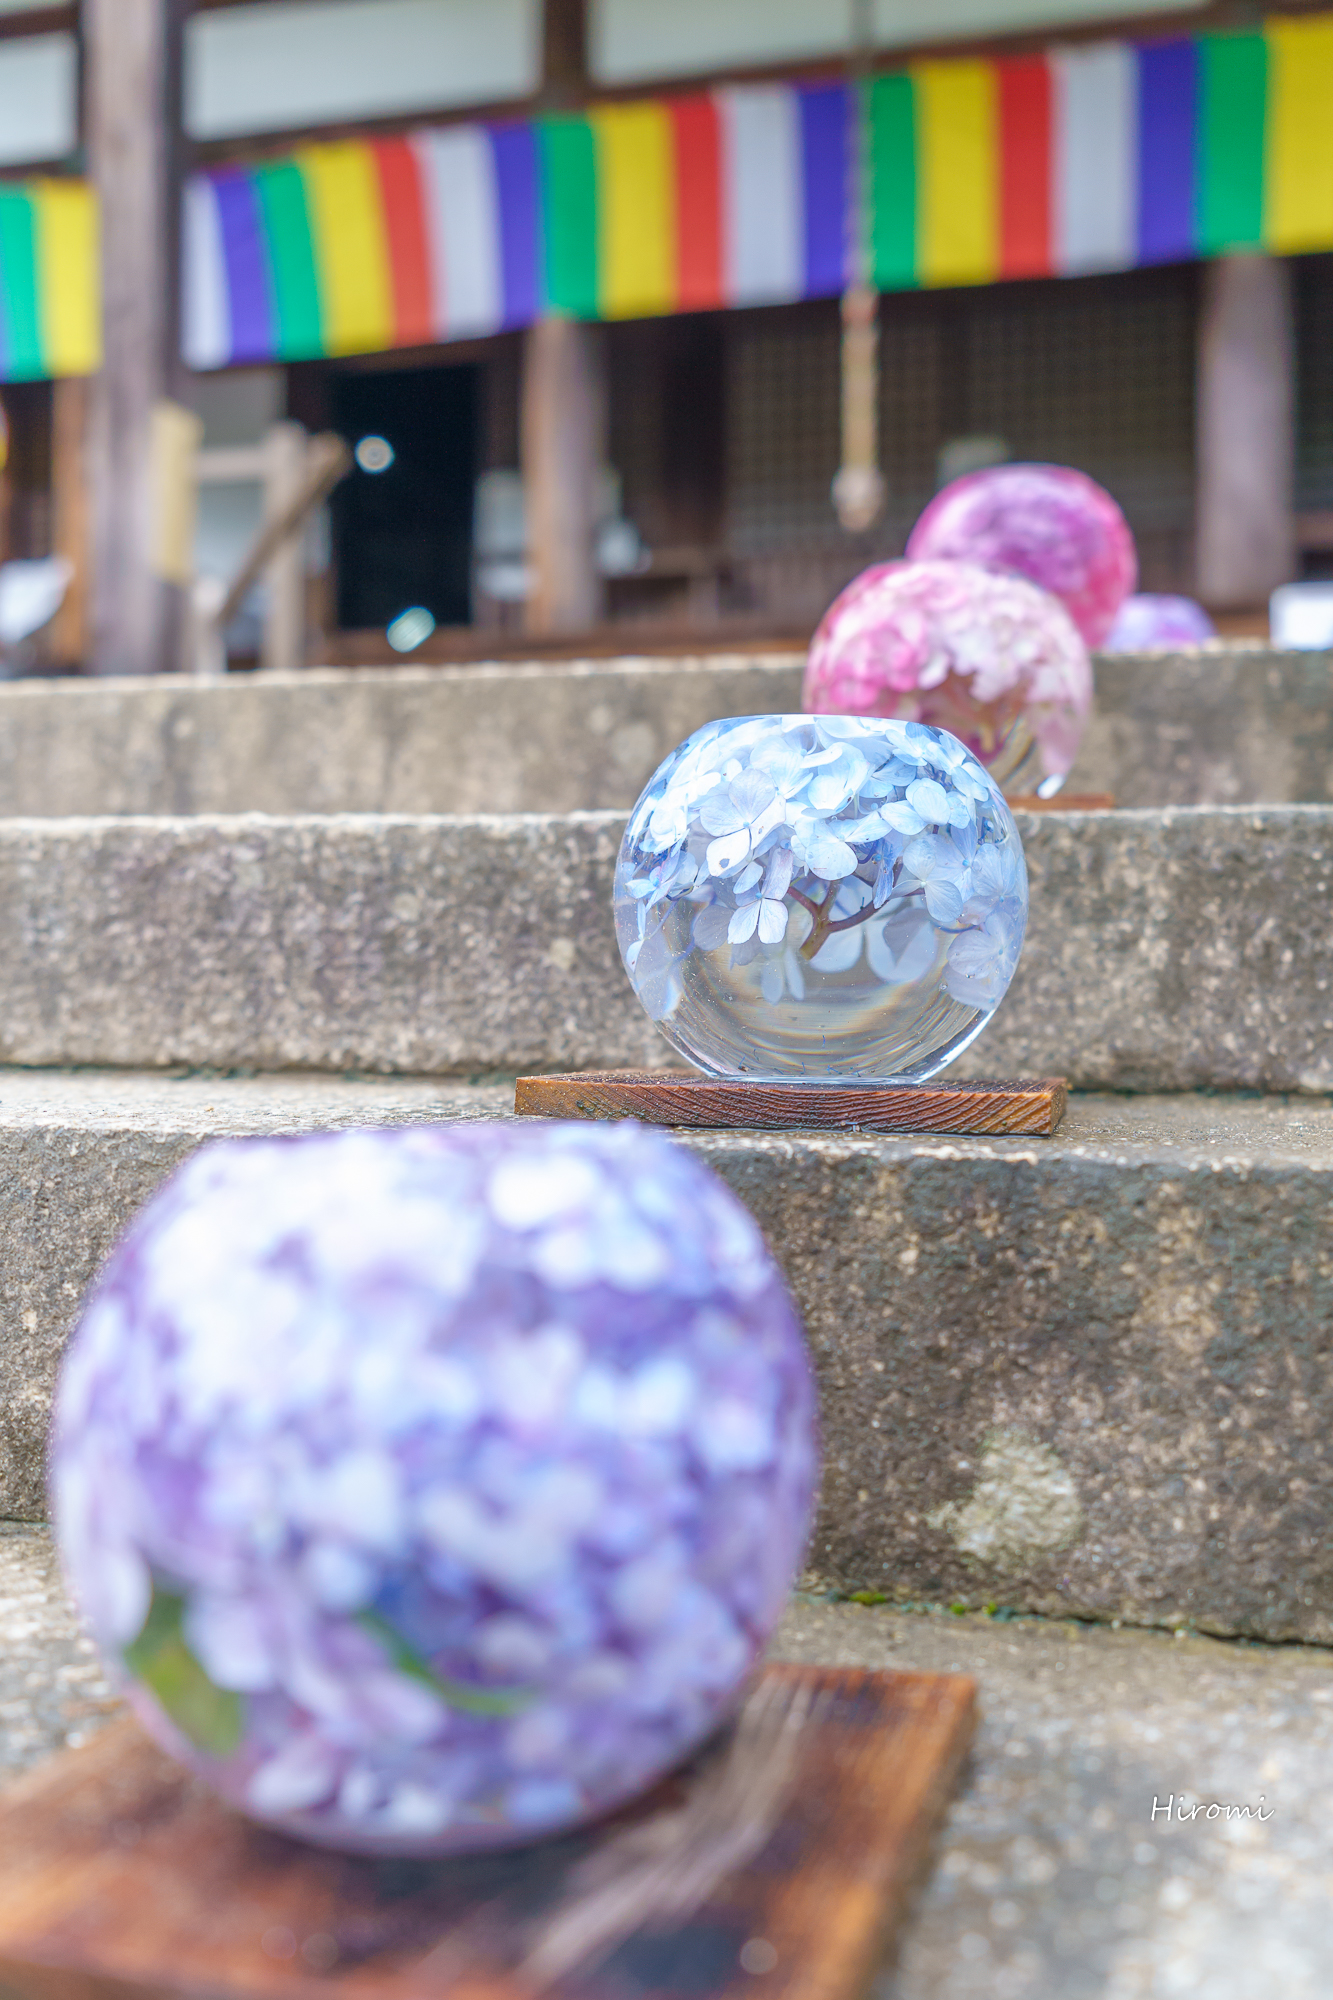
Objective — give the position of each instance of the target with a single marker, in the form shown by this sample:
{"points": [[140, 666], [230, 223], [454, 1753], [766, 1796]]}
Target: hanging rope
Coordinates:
{"points": [[858, 489]]}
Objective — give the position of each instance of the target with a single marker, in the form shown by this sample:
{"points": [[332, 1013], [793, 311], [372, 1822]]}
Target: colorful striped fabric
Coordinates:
{"points": [[50, 321], [732, 198], [1096, 157]]}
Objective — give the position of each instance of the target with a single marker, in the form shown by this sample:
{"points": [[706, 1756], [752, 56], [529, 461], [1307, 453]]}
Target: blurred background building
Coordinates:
{"points": [[572, 280]]}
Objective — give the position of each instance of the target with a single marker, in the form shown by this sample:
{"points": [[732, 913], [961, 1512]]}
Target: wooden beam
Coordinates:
{"points": [[564, 447], [564, 52], [128, 54], [1245, 529]]}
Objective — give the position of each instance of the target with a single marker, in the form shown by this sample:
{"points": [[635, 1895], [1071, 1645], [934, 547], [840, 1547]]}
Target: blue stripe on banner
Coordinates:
{"points": [[515, 150], [1168, 150], [247, 271], [824, 167]]}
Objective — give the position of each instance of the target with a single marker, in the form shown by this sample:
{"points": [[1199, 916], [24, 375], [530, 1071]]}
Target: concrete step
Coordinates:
{"points": [[1082, 1375], [1216, 725], [1051, 1877], [1166, 951]]}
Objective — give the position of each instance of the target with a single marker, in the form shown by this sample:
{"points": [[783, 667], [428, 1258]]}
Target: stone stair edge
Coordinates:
{"points": [[394, 674], [592, 666], [1198, 1130], [1167, 949], [1230, 726], [1039, 1384], [366, 824]]}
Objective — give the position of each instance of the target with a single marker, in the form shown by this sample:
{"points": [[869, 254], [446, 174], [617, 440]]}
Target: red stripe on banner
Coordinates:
{"points": [[1025, 168], [408, 242], [698, 148]]}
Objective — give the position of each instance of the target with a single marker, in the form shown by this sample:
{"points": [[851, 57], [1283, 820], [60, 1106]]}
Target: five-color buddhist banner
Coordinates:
{"points": [[1099, 157], [50, 314]]}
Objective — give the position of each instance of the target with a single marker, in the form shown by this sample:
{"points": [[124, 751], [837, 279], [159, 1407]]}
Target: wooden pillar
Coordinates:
{"points": [[283, 649], [564, 447], [69, 640], [131, 93], [563, 403], [1244, 522]]}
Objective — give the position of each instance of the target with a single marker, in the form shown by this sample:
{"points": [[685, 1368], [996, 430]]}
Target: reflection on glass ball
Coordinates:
{"points": [[435, 1489], [1046, 522], [821, 896], [992, 659], [1155, 620]]}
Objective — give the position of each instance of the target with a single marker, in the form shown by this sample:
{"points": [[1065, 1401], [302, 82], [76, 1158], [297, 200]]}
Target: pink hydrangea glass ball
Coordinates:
{"points": [[988, 657], [1151, 622], [435, 1489], [1046, 522]]}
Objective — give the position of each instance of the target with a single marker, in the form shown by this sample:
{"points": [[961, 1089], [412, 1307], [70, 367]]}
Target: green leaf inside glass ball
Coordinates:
{"points": [[210, 1717]]}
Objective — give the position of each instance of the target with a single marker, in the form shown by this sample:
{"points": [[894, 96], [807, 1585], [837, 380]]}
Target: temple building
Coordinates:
{"points": [[644, 324]]}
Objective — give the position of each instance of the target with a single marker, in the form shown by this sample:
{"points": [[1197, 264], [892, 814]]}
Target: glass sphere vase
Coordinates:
{"points": [[1050, 523], [435, 1489], [821, 897], [990, 658]]}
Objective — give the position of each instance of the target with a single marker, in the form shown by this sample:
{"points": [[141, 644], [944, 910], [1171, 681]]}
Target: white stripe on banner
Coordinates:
{"points": [[463, 222], [763, 202], [1096, 157], [205, 318]]}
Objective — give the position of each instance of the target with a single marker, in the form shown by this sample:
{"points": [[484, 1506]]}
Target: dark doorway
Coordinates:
{"points": [[403, 534]]}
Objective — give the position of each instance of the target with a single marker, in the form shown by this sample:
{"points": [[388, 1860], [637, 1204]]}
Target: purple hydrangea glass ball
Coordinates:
{"points": [[435, 1489], [1046, 522], [991, 658], [1153, 621]]}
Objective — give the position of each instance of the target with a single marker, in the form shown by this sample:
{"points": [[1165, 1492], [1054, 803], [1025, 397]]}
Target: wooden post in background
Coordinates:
{"points": [[283, 648], [69, 636], [130, 97], [563, 415], [1244, 520], [564, 430]]}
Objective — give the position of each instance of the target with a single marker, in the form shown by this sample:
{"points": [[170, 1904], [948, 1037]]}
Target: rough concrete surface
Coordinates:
{"points": [[1224, 724], [1220, 724], [1179, 950], [1166, 951], [53, 1692], [549, 737], [394, 944], [1085, 1374], [1052, 1880]]}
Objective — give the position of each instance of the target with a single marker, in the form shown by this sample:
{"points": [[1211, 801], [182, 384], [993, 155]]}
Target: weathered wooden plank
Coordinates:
{"points": [[683, 1097], [777, 1864]]}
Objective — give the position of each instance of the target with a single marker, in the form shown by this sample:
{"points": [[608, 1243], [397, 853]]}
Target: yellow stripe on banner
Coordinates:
{"points": [[957, 206], [351, 249], [68, 276], [1298, 169], [636, 210]]}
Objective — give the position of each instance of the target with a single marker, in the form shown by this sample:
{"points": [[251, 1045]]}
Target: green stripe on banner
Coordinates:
{"points": [[1234, 79], [893, 182], [291, 260], [569, 215], [18, 279]]}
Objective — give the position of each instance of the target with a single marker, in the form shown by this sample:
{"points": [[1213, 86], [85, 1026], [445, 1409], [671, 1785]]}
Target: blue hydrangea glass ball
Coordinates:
{"points": [[821, 896], [435, 1489]]}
